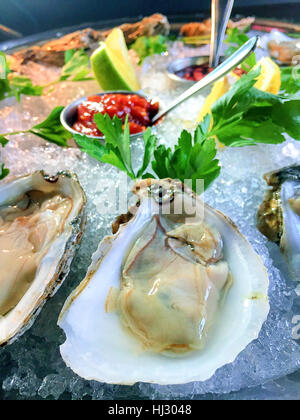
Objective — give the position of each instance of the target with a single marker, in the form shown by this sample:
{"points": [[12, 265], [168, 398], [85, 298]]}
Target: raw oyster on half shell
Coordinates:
{"points": [[171, 284], [41, 222], [176, 279], [279, 214]]}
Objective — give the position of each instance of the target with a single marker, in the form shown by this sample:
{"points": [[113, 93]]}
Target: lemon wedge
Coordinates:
{"points": [[112, 66], [219, 89], [269, 79]]}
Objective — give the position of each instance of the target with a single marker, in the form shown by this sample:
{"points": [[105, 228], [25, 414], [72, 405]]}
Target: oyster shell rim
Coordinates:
{"points": [[274, 214], [259, 302], [63, 266]]}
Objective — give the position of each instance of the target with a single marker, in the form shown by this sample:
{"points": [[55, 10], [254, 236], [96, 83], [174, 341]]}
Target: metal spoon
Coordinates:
{"points": [[234, 60], [220, 14]]}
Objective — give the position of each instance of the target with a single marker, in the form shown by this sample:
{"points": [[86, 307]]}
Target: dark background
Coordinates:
{"points": [[34, 16]]}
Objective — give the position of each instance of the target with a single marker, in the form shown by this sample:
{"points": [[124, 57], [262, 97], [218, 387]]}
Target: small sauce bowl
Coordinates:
{"points": [[69, 114], [182, 63]]}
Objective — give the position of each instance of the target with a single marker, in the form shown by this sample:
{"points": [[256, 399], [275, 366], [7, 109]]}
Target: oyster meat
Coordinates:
{"points": [[41, 221], [175, 284], [279, 214], [171, 284]]}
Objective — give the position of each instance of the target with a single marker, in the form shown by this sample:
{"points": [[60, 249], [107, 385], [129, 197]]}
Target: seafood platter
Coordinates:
{"points": [[150, 260]]}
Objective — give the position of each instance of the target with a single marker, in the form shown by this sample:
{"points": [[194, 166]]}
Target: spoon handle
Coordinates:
{"points": [[234, 60], [220, 14]]}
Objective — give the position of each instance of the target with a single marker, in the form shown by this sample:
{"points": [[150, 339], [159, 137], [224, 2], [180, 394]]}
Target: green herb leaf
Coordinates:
{"points": [[239, 38], [113, 158], [192, 159], [3, 171], [116, 150], [17, 85], [288, 115], [69, 54], [76, 66], [108, 153], [92, 147], [249, 133], [246, 116], [146, 46], [51, 129], [117, 138], [23, 85], [150, 143], [234, 102], [236, 36], [3, 141], [290, 80], [5, 89]]}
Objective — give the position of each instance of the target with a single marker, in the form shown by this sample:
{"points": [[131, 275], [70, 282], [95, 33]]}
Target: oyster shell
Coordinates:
{"points": [[41, 222], [279, 214], [115, 335]]}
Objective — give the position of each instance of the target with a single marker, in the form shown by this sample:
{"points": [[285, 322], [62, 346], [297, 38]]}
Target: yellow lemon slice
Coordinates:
{"points": [[219, 89], [112, 66], [269, 79]]}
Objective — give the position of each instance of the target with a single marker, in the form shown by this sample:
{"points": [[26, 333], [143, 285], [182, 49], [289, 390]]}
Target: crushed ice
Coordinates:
{"points": [[32, 367]]}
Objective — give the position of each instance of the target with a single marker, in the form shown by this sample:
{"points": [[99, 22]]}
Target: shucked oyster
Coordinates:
{"points": [[176, 278], [279, 214], [41, 221], [167, 298]]}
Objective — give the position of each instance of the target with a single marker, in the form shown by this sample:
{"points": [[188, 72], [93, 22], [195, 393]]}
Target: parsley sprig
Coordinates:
{"points": [[192, 158], [246, 116], [236, 38], [146, 46], [3, 171], [76, 68], [290, 80], [117, 150], [16, 85], [50, 129]]}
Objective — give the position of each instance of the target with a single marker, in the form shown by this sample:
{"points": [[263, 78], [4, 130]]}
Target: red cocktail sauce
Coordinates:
{"points": [[197, 72], [194, 72], [140, 112]]}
